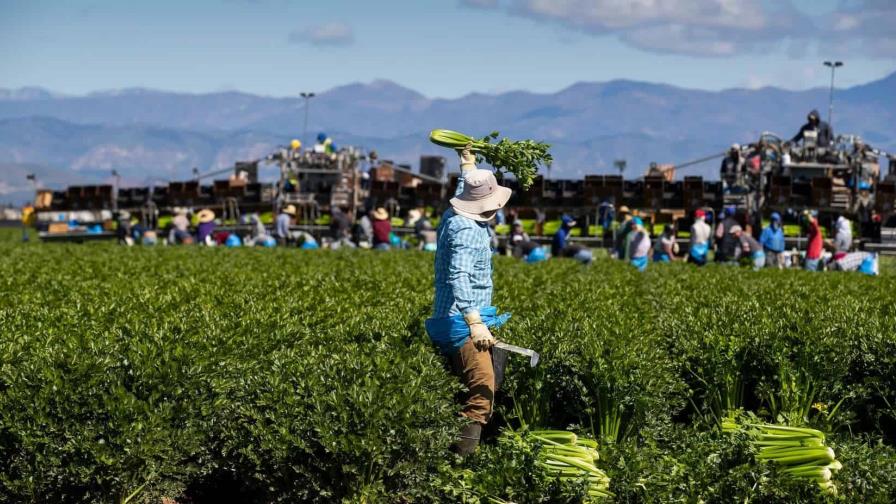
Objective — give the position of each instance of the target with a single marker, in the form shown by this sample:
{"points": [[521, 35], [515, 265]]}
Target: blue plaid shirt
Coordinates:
{"points": [[463, 264]]}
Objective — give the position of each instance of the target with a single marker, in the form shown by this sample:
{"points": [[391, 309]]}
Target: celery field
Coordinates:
{"points": [[255, 375]]}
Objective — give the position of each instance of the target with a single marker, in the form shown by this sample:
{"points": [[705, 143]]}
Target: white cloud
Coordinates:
{"points": [[327, 34], [695, 27], [865, 27]]}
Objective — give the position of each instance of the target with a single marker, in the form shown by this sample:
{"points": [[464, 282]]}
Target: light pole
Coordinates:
{"points": [[833, 65], [117, 177], [620, 165], [307, 96]]}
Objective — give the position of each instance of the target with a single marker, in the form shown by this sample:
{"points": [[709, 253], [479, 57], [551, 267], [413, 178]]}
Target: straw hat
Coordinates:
{"points": [[624, 210], [482, 196], [380, 214], [205, 216], [290, 210]]}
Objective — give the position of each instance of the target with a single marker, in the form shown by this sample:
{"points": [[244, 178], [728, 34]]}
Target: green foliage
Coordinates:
{"points": [[296, 376]]}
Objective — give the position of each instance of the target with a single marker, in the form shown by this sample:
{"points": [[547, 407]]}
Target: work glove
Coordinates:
{"points": [[467, 159], [479, 333]]}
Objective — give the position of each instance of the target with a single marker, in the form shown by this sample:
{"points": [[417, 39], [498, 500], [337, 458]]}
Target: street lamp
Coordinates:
{"points": [[307, 96], [620, 165], [117, 188], [833, 65]]}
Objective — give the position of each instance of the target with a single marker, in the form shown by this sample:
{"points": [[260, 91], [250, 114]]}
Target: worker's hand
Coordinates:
{"points": [[479, 333], [467, 158]]}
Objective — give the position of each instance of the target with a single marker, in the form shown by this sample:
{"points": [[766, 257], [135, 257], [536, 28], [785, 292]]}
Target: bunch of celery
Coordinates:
{"points": [[569, 457], [799, 452], [521, 158]]}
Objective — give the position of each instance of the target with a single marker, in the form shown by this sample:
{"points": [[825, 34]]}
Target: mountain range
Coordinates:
{"points": [[154, 136]]}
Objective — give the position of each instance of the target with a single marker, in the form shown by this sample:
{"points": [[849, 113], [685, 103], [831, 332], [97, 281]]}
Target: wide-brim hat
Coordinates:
{"points": [[205, 216], [624, 210], [380, 214], [481, 197], [290, 210]]}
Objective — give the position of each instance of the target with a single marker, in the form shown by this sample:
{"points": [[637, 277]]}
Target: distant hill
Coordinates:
{"points": [[148, 134]]}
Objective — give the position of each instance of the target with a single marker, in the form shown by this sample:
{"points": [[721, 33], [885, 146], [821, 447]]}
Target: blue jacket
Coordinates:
{"points": [[559, 241], [772, 238]]}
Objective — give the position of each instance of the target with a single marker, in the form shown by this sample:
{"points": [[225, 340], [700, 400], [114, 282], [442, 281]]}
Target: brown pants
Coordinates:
{"points": [[476, 373]]}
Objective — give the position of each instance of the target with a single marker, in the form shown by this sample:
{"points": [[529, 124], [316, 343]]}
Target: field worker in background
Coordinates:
{"points": [[428, 236], [560, 246], [732, 169], [282, 224], [180, 228], [816, 240], [364, 230], [324, 144], [517, 237], [258, 233], [814, 123], [750, 247], [727, 243], [382, 229], [864, 262], [639, 245], [28, 219], [700, 232], [463, 311], [295, 146], [340, 229], [842, 234], [625, 227], [665, 248], [123, 232], [206, 227], [772, 240]]}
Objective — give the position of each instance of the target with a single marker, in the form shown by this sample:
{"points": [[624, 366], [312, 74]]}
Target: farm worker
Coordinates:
{"points": [[664, 250], [625, 227], [699, 239], [750, 247], [295, 145], [772, 240], [727, 242], [816, 241], [340, 228], [28, 219], [814, 123], [561, 248], [732, 168], [864, 262], [206, 227], [639, 245], [517, 234], [463, 313], [324, 144], [842, 234], [281, 226], [180, 228], [123, 232], [559, 241], [382, 229], [428, 236]]}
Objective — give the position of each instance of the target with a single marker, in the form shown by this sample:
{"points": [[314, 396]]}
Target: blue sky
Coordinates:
{"points": [[441, 48]]}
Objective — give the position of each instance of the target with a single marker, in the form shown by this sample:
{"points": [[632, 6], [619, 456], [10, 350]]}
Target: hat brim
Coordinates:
{"points": [[380, 215], [491, 203], [206, 217]]}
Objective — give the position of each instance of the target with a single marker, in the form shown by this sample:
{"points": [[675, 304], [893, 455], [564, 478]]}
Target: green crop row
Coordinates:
{"points": [[132, 374]]}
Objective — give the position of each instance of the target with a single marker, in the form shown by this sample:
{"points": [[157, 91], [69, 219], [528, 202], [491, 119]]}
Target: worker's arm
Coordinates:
{"points": [[799, 136], [467, 163]]}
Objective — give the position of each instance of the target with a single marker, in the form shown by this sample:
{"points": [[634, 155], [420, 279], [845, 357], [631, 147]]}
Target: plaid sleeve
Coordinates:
{"points": [[460, 268]]}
